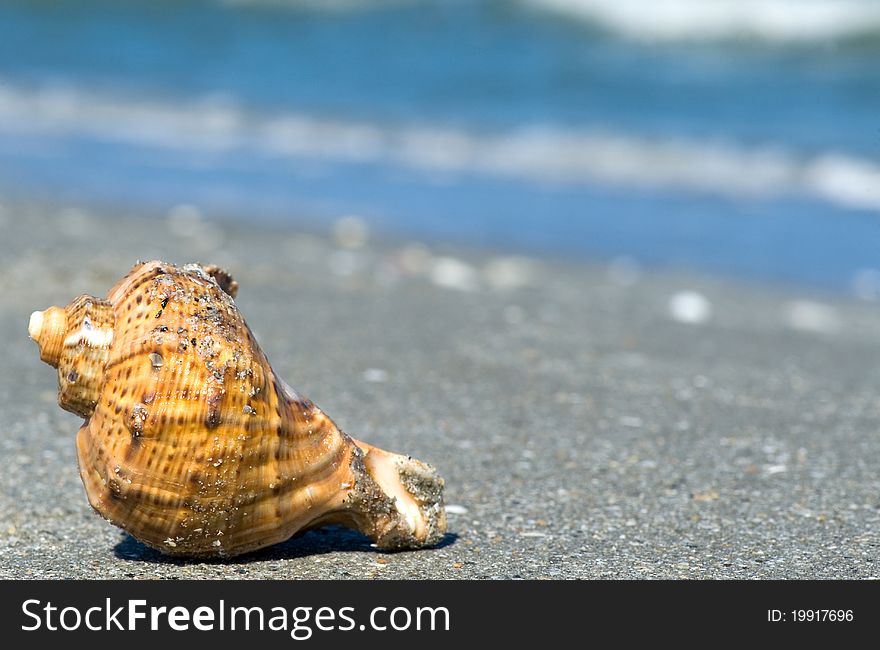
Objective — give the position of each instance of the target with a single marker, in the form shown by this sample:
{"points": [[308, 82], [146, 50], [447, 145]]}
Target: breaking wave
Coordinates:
{"points": [[668, 20], [769, 20], [535, 154]]}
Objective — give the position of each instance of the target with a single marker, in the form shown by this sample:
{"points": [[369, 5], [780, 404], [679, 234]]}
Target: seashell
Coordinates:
{"points": [[193, 444]]}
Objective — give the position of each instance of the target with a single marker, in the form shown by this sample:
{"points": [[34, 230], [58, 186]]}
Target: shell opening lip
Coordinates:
{"points": [[35, 325]]}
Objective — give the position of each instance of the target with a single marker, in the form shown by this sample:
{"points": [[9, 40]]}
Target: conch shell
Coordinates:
{"points": [[194, 446]]}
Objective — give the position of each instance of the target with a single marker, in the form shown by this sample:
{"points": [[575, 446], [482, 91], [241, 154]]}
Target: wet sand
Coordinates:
{"points": [[591, 421]]}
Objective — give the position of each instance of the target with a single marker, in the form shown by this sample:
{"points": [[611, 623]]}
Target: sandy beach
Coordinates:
{"points": [[590, 420]]}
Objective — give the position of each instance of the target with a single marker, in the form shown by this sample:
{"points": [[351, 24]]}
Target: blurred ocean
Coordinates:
{"points": [[739, 137]]}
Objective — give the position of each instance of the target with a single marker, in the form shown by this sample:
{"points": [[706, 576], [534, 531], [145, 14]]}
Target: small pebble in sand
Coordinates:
{"points": [[809, 316], [414, 259], [455, 509], [452, 273], [690, 307], [508, 273], [706, 496]]}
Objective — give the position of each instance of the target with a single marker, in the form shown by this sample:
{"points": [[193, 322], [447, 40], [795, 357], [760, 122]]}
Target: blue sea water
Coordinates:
{"points": [[739, 137]]}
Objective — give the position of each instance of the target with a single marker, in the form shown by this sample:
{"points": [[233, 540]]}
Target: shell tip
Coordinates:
{"points": [[35, 325]]}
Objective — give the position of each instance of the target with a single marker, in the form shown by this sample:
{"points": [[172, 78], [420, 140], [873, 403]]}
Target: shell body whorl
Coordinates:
{"points": [[194, 446]]}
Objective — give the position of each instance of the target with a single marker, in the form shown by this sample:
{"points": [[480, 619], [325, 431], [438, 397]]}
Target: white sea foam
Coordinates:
{"points": [[538, 154], [668, 20], [810, 316], [771, 20]]}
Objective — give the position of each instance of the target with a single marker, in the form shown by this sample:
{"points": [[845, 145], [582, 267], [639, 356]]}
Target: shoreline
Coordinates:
{"points": [[591, 421], [860, 286]]}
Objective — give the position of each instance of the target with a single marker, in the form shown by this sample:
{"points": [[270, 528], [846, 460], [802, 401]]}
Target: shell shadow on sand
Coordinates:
{"points": [[321, 541]]}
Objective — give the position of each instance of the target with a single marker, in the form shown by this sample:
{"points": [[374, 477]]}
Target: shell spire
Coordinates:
{"points": [[194, 446], [76, 339], [47, 329]]}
